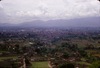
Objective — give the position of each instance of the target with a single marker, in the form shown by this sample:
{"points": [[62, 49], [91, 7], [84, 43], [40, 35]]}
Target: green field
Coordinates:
{"points": [[2, 51], [3, 58], [40, 64]]}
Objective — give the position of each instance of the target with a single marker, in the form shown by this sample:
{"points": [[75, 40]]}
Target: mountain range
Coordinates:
{"points": [[79, 22]]}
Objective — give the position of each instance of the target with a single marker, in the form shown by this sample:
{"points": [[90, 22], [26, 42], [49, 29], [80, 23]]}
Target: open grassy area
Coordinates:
{"points": [[85, 63], [40, 64], [3, 58], [2, 51]]}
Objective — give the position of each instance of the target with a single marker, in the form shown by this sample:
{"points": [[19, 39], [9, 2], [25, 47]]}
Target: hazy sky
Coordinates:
{"points": [[17, 11]]}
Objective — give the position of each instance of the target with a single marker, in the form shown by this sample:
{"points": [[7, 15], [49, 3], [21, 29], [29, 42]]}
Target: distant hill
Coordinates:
{"points": [[5, 24], [80, 22]]}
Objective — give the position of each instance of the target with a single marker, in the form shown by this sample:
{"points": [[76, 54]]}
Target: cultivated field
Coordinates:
{"points": [[40, 64]]}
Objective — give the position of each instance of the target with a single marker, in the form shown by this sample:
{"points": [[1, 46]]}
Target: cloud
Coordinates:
{"points": [[26, 10]]}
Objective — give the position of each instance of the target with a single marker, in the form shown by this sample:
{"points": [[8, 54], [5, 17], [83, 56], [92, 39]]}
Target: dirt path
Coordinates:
{"points": [[49, 64]]}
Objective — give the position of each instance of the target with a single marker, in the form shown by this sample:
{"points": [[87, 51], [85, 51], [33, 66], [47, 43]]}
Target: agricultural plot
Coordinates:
{"points": [[40, 64]]}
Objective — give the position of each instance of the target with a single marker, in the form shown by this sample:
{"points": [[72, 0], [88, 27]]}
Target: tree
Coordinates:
{"points": [[65, 55], [27, 62], [69, 65], [17, 48], [95, 64]]}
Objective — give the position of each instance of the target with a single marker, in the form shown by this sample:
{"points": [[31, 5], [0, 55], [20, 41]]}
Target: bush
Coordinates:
{"points": [[95, 64], [69, 65]]}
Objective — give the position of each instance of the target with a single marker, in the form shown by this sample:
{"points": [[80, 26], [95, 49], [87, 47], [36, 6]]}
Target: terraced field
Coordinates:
{"points": [[40, 64]]}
